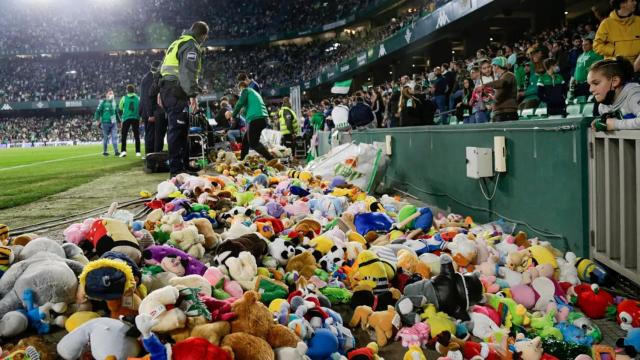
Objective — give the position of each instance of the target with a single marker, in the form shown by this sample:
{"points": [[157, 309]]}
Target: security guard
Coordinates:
{"points": [[289, 126], [178, 90]]}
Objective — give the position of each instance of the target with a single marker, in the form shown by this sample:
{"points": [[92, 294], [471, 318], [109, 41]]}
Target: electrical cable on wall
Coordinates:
{"points": [[495, 188], [479, 208]]}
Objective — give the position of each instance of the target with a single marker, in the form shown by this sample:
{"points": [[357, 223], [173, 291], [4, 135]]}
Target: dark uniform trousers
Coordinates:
{"points": [[176, 107], [154, 133]]}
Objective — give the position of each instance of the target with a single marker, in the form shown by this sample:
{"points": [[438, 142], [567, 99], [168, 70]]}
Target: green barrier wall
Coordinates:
{"points": [[545, 186]]}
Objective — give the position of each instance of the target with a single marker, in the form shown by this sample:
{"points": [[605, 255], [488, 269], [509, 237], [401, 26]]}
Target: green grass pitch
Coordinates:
{"points": [[29, 174]]}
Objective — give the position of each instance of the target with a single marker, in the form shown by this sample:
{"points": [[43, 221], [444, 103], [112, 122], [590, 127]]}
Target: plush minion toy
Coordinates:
{"points": [[373, 271], [591, 272]]}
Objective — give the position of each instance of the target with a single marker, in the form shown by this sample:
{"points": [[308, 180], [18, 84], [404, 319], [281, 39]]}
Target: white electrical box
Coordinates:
{"points": [[500, 154], [479, 162]]}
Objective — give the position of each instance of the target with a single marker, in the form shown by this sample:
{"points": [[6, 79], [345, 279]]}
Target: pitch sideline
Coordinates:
{"points": [[46, 162]]}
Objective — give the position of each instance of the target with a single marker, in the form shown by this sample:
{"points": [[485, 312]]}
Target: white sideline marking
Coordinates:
{"points": [[46, 162]]}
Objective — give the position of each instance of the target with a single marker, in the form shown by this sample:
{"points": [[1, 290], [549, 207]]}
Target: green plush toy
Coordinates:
{"points": [[405, 213], [245, 198], [161, 237], [218, 292], [270, 289], [337, 295]]}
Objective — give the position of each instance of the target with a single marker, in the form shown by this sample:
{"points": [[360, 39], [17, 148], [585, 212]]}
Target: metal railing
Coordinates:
{"points": [[614, 187]]}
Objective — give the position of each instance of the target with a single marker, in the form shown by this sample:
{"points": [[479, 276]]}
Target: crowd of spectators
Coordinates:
{"points": [[79, 128], [70, 25], [85, 76]]}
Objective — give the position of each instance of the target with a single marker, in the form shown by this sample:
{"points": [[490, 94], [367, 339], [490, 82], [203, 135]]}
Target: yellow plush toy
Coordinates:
{"points": [[414, 353], [409, 262], [383, 322], [372, 270], [438, 321]]}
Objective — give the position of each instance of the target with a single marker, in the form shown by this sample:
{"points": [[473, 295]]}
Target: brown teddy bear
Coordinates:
{"points": [[211, 238], [304, 263], [200, 327], [254, 334]]}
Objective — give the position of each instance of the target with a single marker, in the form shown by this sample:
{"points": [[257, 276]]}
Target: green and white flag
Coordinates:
{"points": [[341, 87]]}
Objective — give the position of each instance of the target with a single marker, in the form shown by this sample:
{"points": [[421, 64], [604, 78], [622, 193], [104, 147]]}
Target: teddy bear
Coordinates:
{"points": [[464, 252], [252, 243], [242, 269], [214, 332], [189, 241], [304, 263], [205, 228], [160, 305], [32, 316], [253, 333], [410, 263], [280, 251], [189, 348], [523, 259], [106, 338], [38, 272]]}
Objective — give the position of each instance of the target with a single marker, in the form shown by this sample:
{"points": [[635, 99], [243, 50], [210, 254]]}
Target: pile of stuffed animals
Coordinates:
{"points": [[263, 263]]}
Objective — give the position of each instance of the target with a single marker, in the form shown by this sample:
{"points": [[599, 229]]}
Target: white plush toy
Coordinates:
{"points": [[192, 281], [243, 269], [106, 337], [155, 304], [289, 353], [568, 271]]}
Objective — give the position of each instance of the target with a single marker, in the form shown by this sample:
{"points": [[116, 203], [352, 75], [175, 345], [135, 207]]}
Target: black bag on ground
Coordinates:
{"points": [[157, 162]]}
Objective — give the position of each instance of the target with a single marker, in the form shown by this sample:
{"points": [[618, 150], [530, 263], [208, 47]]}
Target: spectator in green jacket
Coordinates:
{"points": [[256, 115], [551, 88], [129, 106], [107, 117], [585, 60]]}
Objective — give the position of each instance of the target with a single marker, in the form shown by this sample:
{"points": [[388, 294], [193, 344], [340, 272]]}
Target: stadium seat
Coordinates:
{"points": [[540, 111], [587, 111], [574, 110], [526, 113]]}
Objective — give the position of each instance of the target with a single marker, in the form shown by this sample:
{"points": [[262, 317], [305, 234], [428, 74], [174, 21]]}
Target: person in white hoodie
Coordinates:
{"points": [[610, 83]]}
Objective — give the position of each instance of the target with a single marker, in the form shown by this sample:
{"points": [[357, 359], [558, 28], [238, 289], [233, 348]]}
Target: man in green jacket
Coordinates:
{"points": [[289, 126], [585, 60], [129, 110], [107, 117], [256, 115]]}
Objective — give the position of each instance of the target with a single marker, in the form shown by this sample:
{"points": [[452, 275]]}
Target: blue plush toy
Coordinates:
{"points": [[574, 334], [33, 313], [373, 221], [631, 343], [298, 190], [322, 345]]}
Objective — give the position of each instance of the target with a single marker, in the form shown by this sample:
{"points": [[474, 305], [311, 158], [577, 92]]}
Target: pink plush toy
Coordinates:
{"points": [[77, 232], [536, 296], [417, 334], [213, 276], [489, 283], [299, 207]]}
